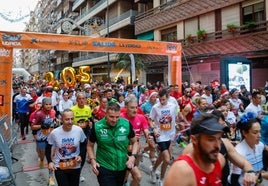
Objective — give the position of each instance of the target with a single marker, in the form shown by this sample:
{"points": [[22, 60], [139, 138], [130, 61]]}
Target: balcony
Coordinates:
{"points": [[93, 59], [176, 11], [251, 42], [121, 21], [76, 4], [94, 10], [89, 56], [226, 34]]}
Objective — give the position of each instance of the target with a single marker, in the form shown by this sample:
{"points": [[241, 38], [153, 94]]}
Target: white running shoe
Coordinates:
{"points": [[51, 181], [152, 175], [82, 179], [160, 182]]}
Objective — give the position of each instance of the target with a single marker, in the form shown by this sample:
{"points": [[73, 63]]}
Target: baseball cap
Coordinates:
{"points": [[242, 87], [233, 91], [87, 86], [208, 126], [81, 120], [208, 88]]}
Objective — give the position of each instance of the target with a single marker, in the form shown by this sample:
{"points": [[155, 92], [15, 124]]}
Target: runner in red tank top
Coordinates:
{"points": [[203, 178], [185, 99], [202, 166]]}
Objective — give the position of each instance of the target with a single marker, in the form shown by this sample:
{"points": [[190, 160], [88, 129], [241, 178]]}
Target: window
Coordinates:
{"points": [[163, 2], [254, 12], [169, 34]]}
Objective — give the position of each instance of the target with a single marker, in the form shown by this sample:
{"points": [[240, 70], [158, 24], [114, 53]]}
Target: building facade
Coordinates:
{"points": [[213, 33]]}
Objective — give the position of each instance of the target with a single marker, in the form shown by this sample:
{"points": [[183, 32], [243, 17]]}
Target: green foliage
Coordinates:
{"points": [[250, 24], [231, 27], [124, 61], [201, 34], [190, 38]]}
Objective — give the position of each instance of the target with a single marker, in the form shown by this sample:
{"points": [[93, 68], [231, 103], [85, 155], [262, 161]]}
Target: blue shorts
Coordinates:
{"points": [[41, 145]]}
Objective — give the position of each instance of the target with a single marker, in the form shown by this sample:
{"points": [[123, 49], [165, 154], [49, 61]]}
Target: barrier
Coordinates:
{"points": [[5, 153]]}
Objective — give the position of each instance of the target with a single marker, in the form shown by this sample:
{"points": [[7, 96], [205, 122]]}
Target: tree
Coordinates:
{"points": [[124, 62]]}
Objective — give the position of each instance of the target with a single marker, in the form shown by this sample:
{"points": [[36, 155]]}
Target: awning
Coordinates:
{"points": [[146, 36]]}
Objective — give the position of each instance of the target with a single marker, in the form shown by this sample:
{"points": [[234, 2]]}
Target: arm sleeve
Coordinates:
{"points": [[131, 133], [234, 179], [83, 148], [92, 136], [48, 153]]}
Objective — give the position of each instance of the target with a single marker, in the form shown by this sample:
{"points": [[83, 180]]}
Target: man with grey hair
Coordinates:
{"points": [[139, 124]]}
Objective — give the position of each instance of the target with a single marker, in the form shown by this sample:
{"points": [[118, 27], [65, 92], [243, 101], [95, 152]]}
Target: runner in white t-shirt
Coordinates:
{"points": [[163, 121]]}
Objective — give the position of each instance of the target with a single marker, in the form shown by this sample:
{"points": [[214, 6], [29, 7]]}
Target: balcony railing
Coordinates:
{"points": [[77, 3], [90, 56], [91, 9], [158, 9], [130, 13], [226, 33]]}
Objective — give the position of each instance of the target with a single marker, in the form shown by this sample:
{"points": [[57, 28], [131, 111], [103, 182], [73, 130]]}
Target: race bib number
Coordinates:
{"points": [[70, 164], [165, 126], [47, 131]]}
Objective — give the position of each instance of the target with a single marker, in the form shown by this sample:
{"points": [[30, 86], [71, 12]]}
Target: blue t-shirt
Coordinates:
{"points": [[264, 130]]}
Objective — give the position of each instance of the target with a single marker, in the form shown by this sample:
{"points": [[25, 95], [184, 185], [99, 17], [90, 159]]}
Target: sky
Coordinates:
{"points": [[14, 9]]}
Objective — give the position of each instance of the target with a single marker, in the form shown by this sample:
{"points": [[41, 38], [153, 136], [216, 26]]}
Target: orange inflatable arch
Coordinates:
{"points": [[44, 41]]}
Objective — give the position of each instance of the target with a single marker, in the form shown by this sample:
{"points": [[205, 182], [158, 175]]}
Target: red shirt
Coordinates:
{"points": [[190, 115], [183, 102], [139, 111], [202, 178], [41, 115], [139, 122], [99, 113], [176, 95]]}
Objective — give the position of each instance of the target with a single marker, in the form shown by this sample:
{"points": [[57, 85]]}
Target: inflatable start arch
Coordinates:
{"points": [[41, 41]]}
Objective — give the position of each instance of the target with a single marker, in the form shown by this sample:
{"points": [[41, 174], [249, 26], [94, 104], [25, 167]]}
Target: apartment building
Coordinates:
{"points": [[223, 40], [38, 62], [101, 18]]}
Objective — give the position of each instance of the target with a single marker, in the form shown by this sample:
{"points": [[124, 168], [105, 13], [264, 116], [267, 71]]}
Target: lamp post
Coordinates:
{"points": [[108, 54]]}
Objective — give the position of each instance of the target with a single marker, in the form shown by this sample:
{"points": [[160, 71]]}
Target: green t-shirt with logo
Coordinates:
{"points": [[112, 143]]}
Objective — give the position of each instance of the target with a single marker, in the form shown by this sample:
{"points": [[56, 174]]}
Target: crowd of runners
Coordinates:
{"points": [[66, 122]]}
